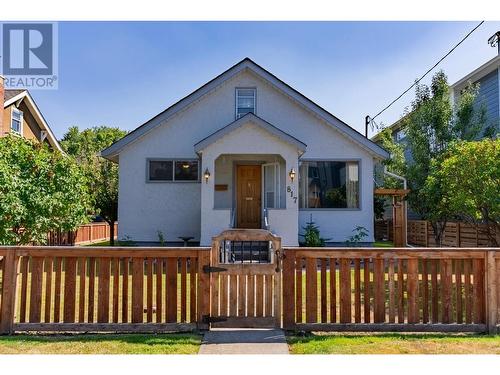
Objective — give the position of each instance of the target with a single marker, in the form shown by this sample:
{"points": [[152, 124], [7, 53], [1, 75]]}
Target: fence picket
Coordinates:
{"points": [[345, 290], [323, 290], [48, 290], [367, 290], [333, 290], [311, 290], [159, 289], [171, 290], [82, 278], [298, 289], [36, 289], [70, 290]]}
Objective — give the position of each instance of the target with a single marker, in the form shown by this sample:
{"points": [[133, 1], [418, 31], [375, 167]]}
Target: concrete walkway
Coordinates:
{"points": [[244, 341]]}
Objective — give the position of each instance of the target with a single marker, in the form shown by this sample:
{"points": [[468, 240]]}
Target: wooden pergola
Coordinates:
{"points": [[398, 213]]}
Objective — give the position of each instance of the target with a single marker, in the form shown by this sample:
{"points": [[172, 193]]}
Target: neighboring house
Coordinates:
{"points": [[488, 78], [20, 115], [245, 150]]}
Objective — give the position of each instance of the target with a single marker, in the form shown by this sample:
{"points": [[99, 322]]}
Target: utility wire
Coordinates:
{"points": [[427, 72]]}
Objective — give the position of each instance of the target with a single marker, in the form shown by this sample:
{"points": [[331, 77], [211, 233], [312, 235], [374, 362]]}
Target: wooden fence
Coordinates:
{"points": [[391, 289], [160, 289], [420, 233], [103, 289], [85, 234]]}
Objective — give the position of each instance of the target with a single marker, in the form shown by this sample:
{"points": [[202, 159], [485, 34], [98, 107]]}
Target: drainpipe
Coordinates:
{"points": [[401, 178]]}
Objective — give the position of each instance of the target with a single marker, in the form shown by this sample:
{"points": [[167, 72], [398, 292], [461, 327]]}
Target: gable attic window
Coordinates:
{"points": [[16, 121], [173, 170], [245, 101]]}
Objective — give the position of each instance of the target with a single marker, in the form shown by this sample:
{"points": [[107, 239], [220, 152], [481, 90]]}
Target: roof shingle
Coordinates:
{"points": [[10, 93]]}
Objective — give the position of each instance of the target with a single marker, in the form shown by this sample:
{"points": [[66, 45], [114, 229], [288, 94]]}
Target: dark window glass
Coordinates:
{"points": [[329, 184], [186, 170], [160, 170], [17, 118], [245, 102]]}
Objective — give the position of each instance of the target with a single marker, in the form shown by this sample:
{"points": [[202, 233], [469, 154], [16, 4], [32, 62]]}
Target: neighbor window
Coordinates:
{"points": [[400, 135], [173, 170], [329, 184], [245, 102], [17, 120]]}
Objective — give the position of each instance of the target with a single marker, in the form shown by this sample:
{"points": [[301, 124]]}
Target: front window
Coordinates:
{"points": [[17, 120], [186, 170], [245, 102], [173, 170], [329, 184]]}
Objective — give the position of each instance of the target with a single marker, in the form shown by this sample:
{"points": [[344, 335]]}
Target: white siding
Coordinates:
{"points": [[174, 208]]}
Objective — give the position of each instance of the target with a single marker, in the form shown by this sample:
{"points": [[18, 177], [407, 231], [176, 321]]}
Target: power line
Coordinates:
{"points": [[427, 72]]}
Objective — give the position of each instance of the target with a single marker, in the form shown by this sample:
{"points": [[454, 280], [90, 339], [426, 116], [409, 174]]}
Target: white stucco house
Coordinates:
{"points": [[245, 150]]}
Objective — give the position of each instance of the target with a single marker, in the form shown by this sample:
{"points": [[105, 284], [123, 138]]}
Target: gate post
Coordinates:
{"points": [[492, 279], [8, 292], [204, 258], [289, 290]]}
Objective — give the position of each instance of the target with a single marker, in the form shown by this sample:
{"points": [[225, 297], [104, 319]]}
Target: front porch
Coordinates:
{"points": [[249, 191], [249, 180]]}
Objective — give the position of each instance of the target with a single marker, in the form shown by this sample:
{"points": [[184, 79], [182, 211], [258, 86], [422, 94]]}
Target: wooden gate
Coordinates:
{"points": [[245, 279]]}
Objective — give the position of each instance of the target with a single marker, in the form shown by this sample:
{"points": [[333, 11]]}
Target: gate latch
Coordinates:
{"points": [[210, 269]]}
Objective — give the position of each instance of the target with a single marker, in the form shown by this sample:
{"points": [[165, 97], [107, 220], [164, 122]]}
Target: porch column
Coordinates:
{"points": [[207, 196], [285, 223]]}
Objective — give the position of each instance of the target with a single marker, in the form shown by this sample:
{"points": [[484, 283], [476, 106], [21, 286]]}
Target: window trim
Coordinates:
{"points": [[12, 110], [254, 89], [360, 185], [173, 160]]}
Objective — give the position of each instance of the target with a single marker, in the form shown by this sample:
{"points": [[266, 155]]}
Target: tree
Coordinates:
{"points": [[40, 191], [396, 163], [85, 146], [468, 176], [431, 126]]}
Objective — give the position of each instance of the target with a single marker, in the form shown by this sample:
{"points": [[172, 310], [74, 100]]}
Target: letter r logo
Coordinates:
{"points": [[27, 49]]}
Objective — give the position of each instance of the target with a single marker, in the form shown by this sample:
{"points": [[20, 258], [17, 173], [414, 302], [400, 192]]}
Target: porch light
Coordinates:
{"points": [[206, 175], [292, 174]]}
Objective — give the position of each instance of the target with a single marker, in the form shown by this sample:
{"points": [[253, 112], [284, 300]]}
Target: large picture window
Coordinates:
{"points": [[173, 170], [329, 184]]}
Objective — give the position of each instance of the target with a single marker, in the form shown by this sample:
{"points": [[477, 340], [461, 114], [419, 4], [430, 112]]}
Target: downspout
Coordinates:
{"points": [[401, 178]]}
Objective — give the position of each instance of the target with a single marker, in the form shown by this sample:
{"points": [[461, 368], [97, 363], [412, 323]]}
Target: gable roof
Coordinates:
{"points": [[478, 73], [10, 93], [253, 119], [14, 96], [246, 64]]}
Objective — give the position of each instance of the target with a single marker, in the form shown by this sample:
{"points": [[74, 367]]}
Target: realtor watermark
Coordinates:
{"points": [[28, 55]]}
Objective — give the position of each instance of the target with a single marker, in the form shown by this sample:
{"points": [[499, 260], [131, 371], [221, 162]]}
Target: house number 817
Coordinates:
{"points": [[289, 190]]}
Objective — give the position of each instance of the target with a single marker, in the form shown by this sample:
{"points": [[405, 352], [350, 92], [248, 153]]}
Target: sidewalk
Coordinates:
{"points": [[244, 341]]}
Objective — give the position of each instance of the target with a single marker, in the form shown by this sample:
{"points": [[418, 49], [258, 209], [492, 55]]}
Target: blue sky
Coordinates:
{"points": [[123, 73]]}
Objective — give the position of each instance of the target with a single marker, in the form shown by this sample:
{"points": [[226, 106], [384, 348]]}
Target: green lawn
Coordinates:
{"points": [[383, 244], [392, 343], [101, 344]]}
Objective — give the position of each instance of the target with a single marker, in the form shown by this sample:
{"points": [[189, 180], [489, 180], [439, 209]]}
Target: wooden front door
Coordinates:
{"points": [[248, 196]]}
